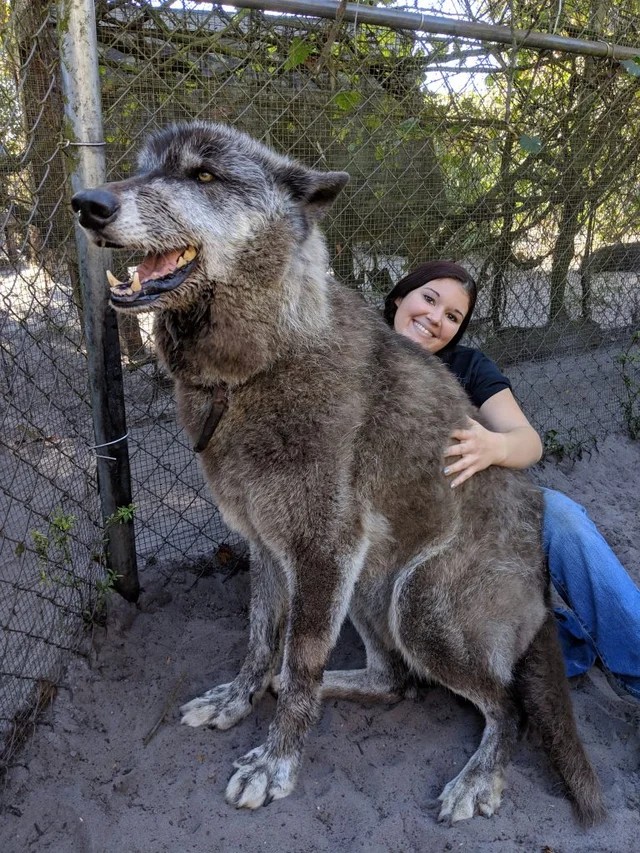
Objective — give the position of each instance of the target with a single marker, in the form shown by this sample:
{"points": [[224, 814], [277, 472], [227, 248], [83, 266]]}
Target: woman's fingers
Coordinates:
{"points": [[463, 477], [477, 447], [461, 465], [462, 434], [455, 450], [469, 449], [464, 468]]}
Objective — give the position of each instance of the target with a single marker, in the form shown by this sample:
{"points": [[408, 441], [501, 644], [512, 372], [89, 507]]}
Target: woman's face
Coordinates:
{"points": [[431, 315]]}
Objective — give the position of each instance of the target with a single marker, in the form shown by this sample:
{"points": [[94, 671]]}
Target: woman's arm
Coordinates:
{"points": [[510, 441]]}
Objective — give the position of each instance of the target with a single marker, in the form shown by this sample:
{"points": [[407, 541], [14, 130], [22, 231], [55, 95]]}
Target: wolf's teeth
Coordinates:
{"points": [[189, 253], [181, 262], [113, 281], [135, 282]]}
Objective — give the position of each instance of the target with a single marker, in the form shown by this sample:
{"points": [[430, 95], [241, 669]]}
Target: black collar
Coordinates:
{"points": [[218, 406]]}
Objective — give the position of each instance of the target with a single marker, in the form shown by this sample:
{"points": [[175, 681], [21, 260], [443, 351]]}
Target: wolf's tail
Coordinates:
{"points": [[544, 692]]}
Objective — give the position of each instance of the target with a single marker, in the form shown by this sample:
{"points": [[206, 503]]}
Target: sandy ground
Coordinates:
{"points": [[111, 769]]}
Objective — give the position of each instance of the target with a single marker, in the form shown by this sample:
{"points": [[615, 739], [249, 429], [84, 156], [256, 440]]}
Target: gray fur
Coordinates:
{"points": [[329, 461]]}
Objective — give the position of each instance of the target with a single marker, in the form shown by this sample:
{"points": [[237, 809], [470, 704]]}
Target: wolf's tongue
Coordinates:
{"points": [[157, 266]]}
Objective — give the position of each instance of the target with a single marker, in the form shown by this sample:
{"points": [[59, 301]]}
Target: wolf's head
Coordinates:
{"points": [[205, 196]]}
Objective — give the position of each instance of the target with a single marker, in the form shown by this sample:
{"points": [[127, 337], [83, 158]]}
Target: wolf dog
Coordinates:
{"points": [[321, 434]]}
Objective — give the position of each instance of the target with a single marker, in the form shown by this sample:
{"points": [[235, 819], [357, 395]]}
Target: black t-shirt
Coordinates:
{"points": [[479, 376]]}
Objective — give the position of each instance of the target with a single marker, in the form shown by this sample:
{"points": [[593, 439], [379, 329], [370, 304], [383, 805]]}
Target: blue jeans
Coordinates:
{"points": [[602, 619]]}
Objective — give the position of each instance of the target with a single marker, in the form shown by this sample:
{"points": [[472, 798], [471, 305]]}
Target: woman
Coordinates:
{"points": [[432, 306]]}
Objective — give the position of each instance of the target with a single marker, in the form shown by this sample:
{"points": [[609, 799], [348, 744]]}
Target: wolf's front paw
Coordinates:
{"points": [[221, 707], [260, 779], [471, 793]]}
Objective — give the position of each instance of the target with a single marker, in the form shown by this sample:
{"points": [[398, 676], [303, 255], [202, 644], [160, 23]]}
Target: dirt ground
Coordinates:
{"points": [[110, 768]]}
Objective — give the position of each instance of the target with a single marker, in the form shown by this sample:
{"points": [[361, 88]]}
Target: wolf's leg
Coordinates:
{"points": [[224, 705], [360, 684], [478, 787], [315, 616], [442, 638], [386, 676]]}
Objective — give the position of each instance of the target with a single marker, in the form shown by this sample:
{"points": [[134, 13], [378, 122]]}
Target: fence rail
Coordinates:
{"points": [[506, 140]]}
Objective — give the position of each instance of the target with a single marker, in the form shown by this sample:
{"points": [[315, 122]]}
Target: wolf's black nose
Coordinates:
{"points": [[95, 208]]}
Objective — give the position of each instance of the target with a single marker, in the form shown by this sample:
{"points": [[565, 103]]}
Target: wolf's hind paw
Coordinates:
{"points": [[260, 779], [221, 707]]}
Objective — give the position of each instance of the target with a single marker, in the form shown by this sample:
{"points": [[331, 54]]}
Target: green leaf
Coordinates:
{"points": [[631, 67], [298, 53], [408, 125], [372, 122], [531, 144], [347, 100]]}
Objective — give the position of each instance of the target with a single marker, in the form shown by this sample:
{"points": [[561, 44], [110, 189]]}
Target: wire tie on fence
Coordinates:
{"points": [[106, 444], [86, 144]]}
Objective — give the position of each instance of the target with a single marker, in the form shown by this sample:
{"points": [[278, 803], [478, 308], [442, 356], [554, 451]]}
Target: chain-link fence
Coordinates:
{"points": [[519, 161], [49, 538]]}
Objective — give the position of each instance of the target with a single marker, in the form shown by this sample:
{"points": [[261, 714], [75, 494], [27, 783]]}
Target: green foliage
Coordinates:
{"points": [[348, 100], [570, 447], [552, 445], [299, 51], [53, 551], [41, 544], [122, 515], [10, 112], [629, 362], [60, 527], [530, 144], [104, 586]]}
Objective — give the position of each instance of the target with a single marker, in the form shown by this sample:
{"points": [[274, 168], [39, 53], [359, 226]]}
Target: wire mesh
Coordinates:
{"points": [[49, 538], [519, 163]]}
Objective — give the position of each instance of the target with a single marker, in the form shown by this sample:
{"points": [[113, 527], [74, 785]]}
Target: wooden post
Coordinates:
{"points": [[79, 70]]}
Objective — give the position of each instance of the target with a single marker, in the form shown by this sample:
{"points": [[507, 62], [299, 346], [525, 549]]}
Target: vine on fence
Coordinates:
{"points": [[55, 561], [629, 362]]}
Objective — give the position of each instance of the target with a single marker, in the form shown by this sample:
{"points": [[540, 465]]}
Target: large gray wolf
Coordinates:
{"points": [[321, 434]]}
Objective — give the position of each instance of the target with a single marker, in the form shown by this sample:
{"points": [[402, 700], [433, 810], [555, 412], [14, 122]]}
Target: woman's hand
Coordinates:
{"points": [[477, 449], [510, 441]]}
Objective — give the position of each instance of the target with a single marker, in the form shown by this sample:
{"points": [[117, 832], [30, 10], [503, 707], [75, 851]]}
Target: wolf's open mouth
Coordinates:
{"points": [[157, 274]]}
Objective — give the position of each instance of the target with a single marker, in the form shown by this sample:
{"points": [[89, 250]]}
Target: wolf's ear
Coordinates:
{"points": [[316, 190]]}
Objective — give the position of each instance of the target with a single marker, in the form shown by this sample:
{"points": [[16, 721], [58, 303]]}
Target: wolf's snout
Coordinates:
{"points": [[95, 208]]}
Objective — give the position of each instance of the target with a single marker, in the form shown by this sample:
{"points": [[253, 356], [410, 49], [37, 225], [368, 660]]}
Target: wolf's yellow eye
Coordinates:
{"points": [[205, 177]]}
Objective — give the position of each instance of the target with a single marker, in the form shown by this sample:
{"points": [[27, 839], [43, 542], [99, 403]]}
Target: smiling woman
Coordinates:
{"points": [[433, 306]]}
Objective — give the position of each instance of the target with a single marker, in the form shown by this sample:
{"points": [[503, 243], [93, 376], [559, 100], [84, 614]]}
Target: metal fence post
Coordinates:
{"points": [[79, 69]]}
